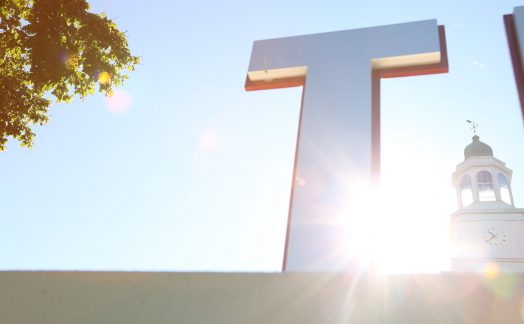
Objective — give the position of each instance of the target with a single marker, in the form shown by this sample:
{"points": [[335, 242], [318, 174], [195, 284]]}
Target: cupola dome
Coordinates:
{"points": [[477, 148]]}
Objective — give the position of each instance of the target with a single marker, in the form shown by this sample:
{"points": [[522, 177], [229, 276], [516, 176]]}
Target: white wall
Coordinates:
{"points": [[115, 297]]}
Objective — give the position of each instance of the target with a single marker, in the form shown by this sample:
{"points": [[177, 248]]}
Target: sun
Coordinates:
{"points": [[402, 224]]}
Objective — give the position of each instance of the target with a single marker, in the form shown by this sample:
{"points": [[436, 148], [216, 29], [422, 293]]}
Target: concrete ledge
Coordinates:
{"points": [[130, 297]]}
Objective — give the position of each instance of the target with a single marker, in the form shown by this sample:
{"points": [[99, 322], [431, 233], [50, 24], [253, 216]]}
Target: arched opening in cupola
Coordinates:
{"points": [[485, 186]]}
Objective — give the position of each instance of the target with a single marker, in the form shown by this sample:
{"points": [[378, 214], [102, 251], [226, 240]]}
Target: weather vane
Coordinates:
{"points": [[473, 126]]}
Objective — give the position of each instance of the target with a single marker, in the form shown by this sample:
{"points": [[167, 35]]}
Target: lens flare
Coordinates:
{"points": [[64, 57], [104, 77], [119, 103], [502, 284], [208, 140], [491, 271]]}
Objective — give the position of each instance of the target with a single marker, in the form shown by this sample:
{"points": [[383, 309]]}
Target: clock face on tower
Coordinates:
{"points": [[495, 236]]}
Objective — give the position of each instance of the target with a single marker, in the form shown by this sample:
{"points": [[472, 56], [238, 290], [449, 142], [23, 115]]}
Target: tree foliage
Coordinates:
{"points": [[54, 48]]}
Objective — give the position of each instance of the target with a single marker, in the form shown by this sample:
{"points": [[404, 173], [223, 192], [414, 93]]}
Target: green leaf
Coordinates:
{"points": [[53, 48]]}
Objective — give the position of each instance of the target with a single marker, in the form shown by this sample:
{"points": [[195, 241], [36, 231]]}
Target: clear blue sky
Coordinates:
{"points": [[191, 172]]}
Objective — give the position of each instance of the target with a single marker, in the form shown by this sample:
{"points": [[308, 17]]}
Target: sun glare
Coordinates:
{"points": [[403, 225]]}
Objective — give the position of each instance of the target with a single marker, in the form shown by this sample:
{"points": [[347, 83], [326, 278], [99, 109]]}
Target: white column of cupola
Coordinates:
{"points": [[487, 228]]}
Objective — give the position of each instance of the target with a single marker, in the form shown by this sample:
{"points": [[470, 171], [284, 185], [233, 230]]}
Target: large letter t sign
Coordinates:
{"points": [[338, 142]]}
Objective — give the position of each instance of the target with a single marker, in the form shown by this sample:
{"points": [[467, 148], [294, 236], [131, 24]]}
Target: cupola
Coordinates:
{"points": [[481, 180]]}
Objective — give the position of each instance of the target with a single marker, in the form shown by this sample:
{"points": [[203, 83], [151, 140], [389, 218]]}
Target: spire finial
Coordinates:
{"points": [[473, 126]]}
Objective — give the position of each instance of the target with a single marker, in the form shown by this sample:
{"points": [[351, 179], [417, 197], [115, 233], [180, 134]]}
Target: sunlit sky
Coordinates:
{"points": [[183, 170]]}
